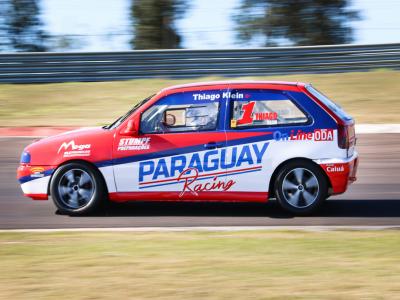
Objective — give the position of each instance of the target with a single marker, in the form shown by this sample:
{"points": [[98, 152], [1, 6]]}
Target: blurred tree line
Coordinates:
{"points": [[154, 23], [301, 22], [21, 26], [268, 22]]}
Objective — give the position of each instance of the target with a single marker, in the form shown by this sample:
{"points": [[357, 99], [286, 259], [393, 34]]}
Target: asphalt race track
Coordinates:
{"points": [[373, 200]]}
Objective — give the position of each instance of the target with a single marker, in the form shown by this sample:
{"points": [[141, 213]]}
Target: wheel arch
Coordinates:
{"points": [[271, 193], [82, 161]]}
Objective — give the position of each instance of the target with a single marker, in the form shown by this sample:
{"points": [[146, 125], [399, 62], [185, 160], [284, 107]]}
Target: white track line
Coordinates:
{"points": [[208, 228], [377, 128]]}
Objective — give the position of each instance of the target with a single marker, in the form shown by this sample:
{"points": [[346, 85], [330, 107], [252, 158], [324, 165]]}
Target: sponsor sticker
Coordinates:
{"points": [[201, 171], [265, 116], [37, 172], [132, 144], [217, 96], [335, 168], [251, 117], [318, 135], [190, 184], [71, 149]]}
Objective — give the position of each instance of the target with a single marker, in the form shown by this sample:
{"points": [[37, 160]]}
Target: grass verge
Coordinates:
{"points": [[200, 265], [371, 97]]}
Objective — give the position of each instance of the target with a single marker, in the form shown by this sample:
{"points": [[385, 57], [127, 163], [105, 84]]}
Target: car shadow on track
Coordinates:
{"points": [[332, 208]]}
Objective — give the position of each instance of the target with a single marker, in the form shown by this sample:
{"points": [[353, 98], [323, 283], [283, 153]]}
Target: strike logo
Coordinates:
{"points": [[76, 150], [134, 144]]}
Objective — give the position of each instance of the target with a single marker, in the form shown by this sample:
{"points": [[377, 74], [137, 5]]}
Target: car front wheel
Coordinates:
{"points": [[301, 187], [77, 188]]}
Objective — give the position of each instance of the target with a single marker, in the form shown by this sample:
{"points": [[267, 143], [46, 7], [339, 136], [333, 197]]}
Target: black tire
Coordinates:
{"points": [[77, 189], [301, 196]]}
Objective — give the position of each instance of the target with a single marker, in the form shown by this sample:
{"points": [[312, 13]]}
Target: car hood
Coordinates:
{"points": [[93, 143], [72, 134]]}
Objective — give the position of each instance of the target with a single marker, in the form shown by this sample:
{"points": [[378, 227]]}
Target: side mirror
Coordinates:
{"points": [[131, 128]]}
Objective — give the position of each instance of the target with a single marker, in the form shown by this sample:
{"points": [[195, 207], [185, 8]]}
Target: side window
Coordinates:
{"points": [[182, 112], [261, 108]]}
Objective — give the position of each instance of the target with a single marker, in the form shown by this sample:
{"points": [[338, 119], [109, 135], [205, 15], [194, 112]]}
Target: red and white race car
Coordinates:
{"points": [[215, 141]]}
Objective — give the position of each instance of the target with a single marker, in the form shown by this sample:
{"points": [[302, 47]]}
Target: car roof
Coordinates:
{"points": [[197, 85]]}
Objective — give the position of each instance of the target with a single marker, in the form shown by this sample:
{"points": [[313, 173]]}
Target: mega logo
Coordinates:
{"points": [[207, 167], [72, 149], [299, 135]]}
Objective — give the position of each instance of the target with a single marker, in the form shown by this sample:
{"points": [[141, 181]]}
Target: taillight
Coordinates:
{"points": [[346, 136]]}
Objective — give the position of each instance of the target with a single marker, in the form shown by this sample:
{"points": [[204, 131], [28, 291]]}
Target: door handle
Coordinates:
{"points": [[213, 145]]}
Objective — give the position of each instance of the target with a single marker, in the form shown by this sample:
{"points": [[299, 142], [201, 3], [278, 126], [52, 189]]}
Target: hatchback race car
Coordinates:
{"points": [[214, 141]]}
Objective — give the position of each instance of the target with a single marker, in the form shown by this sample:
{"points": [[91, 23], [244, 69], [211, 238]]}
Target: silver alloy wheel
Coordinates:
{"points": [[76, 188], [300, 188]]}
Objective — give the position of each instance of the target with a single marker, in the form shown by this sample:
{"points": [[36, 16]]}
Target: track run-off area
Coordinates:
{"points": [[374, 200]]}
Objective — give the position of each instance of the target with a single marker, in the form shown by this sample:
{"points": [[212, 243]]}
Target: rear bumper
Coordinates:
{"points": [[341, 172]]}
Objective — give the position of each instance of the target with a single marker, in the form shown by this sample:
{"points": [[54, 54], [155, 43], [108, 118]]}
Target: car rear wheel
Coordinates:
{"points": [[301, 187], [77, 189]]}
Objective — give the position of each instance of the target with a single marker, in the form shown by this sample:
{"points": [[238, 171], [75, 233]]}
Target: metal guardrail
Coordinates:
{"points": [[106, 66]]}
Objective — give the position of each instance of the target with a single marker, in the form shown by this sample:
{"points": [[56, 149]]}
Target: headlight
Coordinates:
{"points": [[25, 157]]}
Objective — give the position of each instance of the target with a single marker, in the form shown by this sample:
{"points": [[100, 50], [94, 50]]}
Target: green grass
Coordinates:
{"points": [[200, 265], [371, 97]]}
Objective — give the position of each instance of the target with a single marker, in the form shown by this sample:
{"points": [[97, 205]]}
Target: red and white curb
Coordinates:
{"points": [[33, 132], [39, 132]]}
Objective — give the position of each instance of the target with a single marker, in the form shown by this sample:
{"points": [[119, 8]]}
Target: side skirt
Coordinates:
{"points": [[202, 196]]}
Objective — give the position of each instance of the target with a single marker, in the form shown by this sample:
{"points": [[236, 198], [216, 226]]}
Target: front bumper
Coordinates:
{"points": [[34, 180], [341, 172]]}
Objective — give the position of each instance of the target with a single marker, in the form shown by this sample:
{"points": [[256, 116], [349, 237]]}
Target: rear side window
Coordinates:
{"points": [[328, 102], [263, 108], [181, 112]]}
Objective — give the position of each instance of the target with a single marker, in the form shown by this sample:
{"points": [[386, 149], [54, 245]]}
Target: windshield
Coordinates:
{"points": [[122, 118]]}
